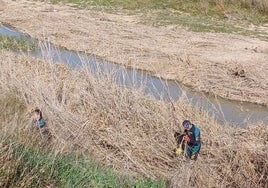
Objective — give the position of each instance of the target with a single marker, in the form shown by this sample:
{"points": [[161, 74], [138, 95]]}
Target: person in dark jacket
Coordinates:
{"points": [[190, 141]]}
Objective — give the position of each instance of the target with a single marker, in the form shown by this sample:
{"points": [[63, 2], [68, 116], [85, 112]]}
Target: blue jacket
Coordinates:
{"points": [[195, 139], [41, 123]]}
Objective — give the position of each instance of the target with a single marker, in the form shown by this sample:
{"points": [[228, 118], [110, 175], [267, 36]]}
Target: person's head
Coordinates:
{"points": [[187, 124], [37, 114]]}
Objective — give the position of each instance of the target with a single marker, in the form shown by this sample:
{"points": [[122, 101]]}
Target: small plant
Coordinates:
{"points": [[17, 44]]}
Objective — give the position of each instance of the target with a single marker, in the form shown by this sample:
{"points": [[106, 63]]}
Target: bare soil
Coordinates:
{"points": [[228, 65]]}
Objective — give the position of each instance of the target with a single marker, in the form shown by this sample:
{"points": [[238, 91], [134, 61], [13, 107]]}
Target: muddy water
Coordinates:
{"points": [[225, 111]]}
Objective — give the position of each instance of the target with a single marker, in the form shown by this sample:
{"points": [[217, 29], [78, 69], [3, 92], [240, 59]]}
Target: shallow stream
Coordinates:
{"points": [[225, 111]]}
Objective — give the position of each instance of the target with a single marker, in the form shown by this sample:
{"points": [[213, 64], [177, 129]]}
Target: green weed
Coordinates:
{"points": [[25, 167], [17, 44]]}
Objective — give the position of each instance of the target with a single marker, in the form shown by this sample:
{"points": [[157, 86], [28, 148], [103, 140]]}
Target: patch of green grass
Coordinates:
{"points": [[25, 167], [199, 24], [195, 7], [196, 15], [193, 23], [17, 44]]}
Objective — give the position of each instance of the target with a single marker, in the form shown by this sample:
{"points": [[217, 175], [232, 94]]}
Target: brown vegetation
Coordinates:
{"points": [[125, 130], [2, 5], [203, 61], [221, 5], [260, 5]]}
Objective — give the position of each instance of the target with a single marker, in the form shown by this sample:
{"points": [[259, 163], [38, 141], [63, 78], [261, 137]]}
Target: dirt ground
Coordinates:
{"points": [[228, 65]]}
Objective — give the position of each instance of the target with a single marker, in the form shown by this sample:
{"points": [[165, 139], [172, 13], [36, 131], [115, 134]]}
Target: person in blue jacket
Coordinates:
{"points": [[38, 118], [190, 141], [40, 124]]}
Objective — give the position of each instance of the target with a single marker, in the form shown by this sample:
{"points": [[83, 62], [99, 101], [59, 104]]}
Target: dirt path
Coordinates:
{"points": [[227, 65]]}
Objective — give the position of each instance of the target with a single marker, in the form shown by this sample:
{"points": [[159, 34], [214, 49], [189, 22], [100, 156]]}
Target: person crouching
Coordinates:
{"points": [[39, 121], [188, 142]]}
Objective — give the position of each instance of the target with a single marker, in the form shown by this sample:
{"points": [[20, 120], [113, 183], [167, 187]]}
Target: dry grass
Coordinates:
{"points": [[260, 5], [221, 5], [127, 131], [164, 51], [197, 6]]}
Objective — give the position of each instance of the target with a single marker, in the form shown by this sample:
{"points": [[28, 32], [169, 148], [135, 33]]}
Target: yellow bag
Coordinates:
{"points": [[179, 151]]}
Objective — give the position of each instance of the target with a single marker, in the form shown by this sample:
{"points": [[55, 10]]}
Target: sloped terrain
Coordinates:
{"points": [[228, 65], [125, 130]]}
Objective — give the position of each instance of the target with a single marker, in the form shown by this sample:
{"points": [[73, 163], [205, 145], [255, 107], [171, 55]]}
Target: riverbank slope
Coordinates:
{"points": [[228, 65], [122, 129]]}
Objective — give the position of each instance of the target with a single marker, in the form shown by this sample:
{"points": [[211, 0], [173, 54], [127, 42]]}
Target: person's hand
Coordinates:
{"points": [[179, 151], [186, 138], [194, 156]]}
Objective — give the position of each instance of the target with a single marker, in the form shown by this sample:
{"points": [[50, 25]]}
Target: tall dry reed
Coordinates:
{"points": [[127, 131]]}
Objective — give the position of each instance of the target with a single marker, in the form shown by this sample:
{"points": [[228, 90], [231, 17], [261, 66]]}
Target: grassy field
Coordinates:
{"points": [[249, 9], [26, 167], [28, 161], [118, 128], [103, 135], [225, 16], [194, 6]]}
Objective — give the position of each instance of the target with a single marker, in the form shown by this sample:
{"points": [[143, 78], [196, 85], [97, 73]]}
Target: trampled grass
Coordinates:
{"points": [[120, 129]]}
